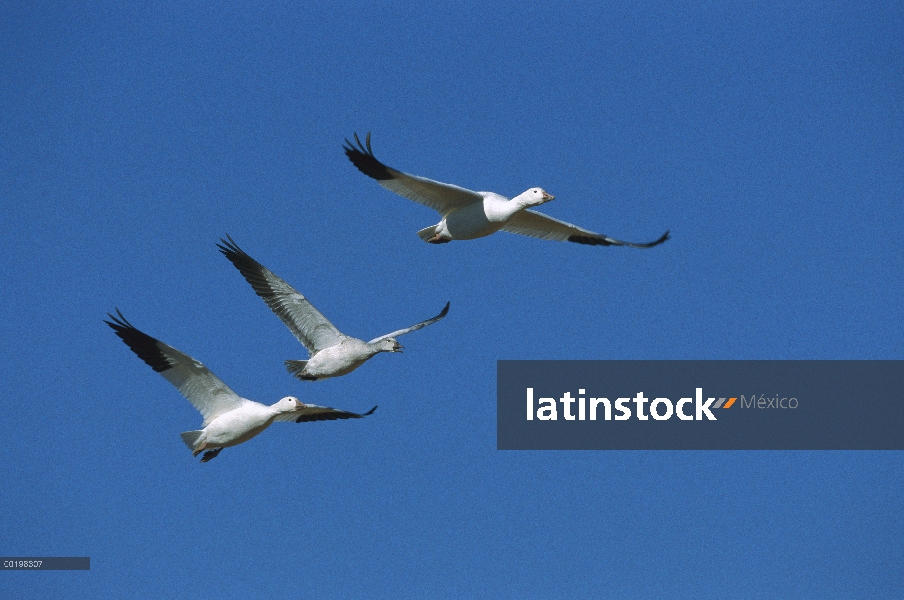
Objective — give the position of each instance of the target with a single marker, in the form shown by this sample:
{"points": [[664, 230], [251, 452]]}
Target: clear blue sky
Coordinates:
{"points": [[770, 140]]}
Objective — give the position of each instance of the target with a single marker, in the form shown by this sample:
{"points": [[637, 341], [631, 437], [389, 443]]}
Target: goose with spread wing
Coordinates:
{"points": [[332, 353], [467, 215], [229, 419]]}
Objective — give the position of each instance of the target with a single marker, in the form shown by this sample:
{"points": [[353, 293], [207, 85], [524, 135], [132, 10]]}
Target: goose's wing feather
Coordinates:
{"points": [[413, 327], [441, 197], [312, 412], [306, 322], [538, 225], [202, 388]]}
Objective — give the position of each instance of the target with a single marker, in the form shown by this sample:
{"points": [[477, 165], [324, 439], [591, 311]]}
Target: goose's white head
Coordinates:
{"points": [[535, 197], [389, 345], [288, 404]]}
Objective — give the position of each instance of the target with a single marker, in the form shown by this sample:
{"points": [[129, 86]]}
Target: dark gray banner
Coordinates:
{"points": [[45, 563], [700, 405]]}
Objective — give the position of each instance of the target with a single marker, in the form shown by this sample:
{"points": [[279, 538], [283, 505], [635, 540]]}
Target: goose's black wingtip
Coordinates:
{"points": [[362, 156], [664, 237], [333, 416], [589, 240], [118, 323], [143, 345], [601, 240], [228, 246]]}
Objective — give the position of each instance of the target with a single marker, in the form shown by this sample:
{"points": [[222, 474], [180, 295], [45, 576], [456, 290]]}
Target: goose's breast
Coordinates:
{"points": [[237, 426], [474, 221], [339, 359]]}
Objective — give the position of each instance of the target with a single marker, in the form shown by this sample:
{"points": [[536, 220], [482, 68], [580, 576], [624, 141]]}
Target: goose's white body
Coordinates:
{"points": [[229, 419], [341, 359], [240, 425], [332, 353], [479, 219], [467, 215]]}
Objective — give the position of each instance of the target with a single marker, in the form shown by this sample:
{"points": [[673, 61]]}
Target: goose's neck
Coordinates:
{"points": [[518, 203], [374, 349], [527, 200]]}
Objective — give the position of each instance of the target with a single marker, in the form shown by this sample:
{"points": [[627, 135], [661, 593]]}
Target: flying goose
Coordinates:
{"points": [[332, 353], [467, 215], [229, 419]]}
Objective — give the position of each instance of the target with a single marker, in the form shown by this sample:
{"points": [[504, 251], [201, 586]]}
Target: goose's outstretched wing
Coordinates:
{"points": [[538, 225], [441, 197], [306, 322], [202, 388], [413, 327], [312, 412]]}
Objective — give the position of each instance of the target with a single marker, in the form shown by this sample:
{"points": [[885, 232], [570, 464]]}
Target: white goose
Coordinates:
{"points": [[229, 419], [332, 353], [467, 215]]}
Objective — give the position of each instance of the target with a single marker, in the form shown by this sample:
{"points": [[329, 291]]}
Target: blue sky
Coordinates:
{"points": [[769, 139]]}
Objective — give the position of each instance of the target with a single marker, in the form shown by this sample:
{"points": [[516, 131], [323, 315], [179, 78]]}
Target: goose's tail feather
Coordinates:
{"points": [[427, 232], [191, 438], [295, 367]]}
